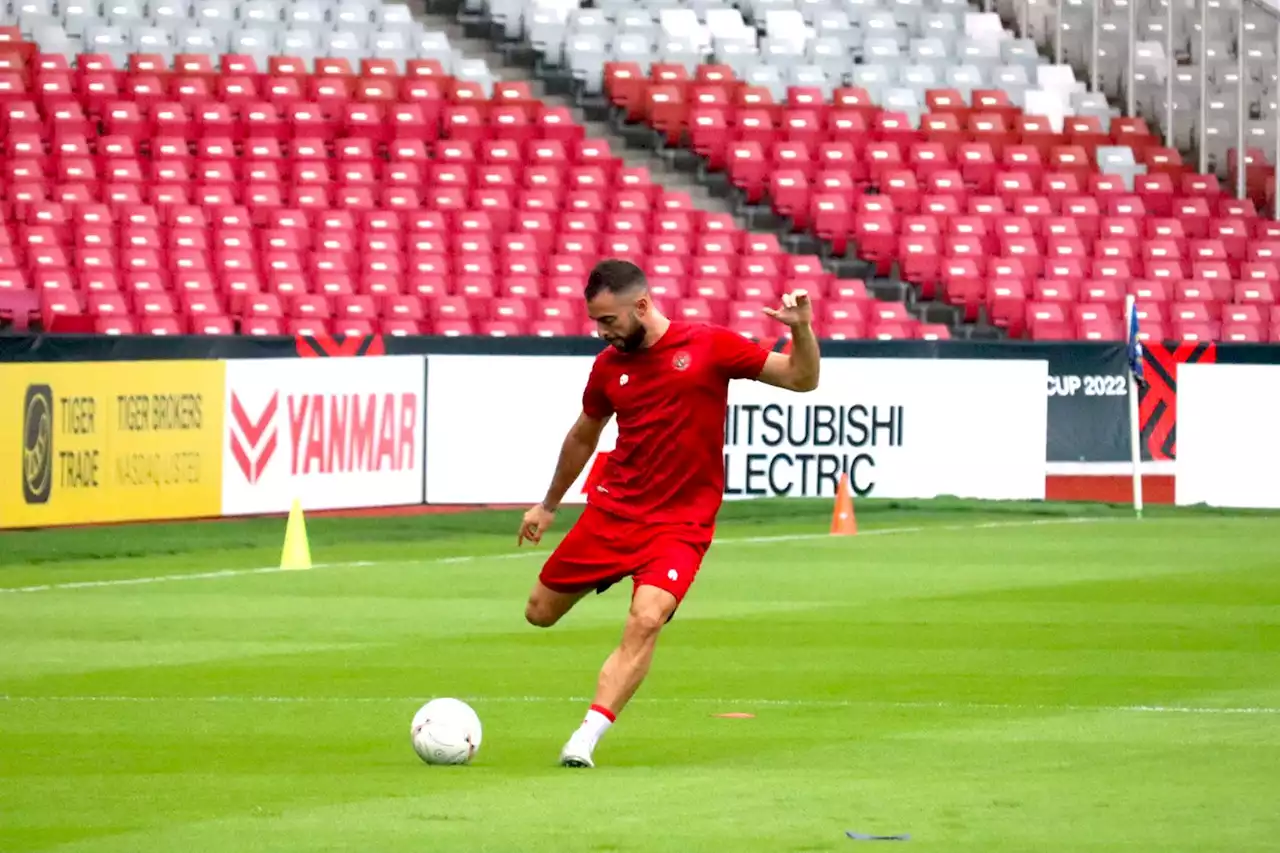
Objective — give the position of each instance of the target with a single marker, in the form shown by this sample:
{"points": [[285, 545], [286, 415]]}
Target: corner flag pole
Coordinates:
{"points": [[1133, 347]]}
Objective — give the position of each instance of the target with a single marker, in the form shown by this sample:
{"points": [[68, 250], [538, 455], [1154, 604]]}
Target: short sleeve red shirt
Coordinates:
{"points": [[670, 400]]}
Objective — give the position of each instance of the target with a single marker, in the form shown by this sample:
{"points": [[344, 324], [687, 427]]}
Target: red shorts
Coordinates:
{"points": [[602, 549]]}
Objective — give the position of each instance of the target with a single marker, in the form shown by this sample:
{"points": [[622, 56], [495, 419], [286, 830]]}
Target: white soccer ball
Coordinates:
{"points": [[446, 731]]}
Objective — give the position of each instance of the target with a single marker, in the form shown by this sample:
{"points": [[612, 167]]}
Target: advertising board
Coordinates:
{"points": [[87, 443], [496, 424], [901, 428], [898, 427], [1228, 455], [332, 433]]}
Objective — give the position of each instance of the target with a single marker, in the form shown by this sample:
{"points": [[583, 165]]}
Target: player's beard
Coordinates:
{"points": [[631, 341]]}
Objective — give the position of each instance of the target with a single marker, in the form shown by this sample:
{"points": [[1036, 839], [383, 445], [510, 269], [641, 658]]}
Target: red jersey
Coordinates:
{"points": [[670, 400]]}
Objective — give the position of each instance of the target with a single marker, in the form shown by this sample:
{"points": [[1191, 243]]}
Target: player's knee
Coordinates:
{"points": [[539, 614], [646, 622]]}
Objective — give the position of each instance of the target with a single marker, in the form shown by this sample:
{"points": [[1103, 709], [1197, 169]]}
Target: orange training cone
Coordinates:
{"points": [[842, 521]]}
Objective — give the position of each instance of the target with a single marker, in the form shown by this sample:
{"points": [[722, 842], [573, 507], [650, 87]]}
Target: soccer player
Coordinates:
{"points": [[651, 513]]}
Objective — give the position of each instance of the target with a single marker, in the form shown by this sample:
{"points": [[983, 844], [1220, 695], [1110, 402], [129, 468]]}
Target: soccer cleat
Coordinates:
{"points": [[576, 754]]}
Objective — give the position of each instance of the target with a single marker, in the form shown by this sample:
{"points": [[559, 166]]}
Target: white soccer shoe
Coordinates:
{"points": [[576, 753]]}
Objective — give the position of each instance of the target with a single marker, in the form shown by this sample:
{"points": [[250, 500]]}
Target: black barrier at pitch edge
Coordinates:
{"points": [[1087, 393], [53, 347]]}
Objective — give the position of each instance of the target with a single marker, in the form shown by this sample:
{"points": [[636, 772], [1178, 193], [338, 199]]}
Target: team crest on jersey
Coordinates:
{"points": [[680, 361]]}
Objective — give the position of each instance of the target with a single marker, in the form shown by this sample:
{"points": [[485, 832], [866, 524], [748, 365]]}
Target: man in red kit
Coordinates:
{"points": [[651, 514]]}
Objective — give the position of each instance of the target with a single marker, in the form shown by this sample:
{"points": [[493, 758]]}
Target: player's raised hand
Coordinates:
{"points": [[535, 523], [796, 309]]}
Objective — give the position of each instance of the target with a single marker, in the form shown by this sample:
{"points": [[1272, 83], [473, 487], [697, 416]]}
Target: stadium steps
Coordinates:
{"points": [[507, 67]]}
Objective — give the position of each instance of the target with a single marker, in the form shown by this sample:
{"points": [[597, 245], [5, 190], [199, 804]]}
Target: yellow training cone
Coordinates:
{"points": [[297, 551]]}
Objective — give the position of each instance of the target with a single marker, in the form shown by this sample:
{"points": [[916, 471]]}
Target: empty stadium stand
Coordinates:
{"points": [[932, 142], [340, 167], [207, 169]]}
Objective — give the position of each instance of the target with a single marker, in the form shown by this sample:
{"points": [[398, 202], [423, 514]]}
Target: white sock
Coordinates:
{"points": [[594, 726]]}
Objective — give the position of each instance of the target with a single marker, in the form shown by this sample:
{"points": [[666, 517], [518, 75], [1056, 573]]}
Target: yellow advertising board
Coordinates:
{"points": [[92, 442]]}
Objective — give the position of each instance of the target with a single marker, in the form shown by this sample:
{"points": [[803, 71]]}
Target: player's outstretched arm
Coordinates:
{"points": [[797, 370], [579, 444]]}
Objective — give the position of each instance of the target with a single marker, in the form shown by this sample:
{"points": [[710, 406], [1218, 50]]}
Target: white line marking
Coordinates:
{"points": [[222, 573], [802, 537], [440, 561], [888, 531], [768, 703], [232, 573]]}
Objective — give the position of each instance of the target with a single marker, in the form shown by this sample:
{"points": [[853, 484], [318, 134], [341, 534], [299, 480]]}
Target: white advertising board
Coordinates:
{"points": [[1227, 452], [496, 424], [900, 427], [335, 433]]}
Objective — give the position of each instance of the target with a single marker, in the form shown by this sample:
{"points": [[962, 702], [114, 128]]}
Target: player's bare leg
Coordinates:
{"points": [[627, 667], [546, 606], [623, 671]]}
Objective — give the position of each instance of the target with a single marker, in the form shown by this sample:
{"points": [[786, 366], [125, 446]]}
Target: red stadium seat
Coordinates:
{"points": [[218, 196]]}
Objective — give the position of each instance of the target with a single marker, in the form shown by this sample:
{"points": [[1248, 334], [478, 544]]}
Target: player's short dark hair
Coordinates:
{"points": [[615, 277]]}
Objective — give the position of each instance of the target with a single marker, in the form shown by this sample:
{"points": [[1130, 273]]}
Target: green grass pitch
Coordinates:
{"points": [[983, 677]]}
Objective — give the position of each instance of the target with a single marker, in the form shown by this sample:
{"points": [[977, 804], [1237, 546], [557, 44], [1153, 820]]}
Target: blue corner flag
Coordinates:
{"points": [[1135, 347]]}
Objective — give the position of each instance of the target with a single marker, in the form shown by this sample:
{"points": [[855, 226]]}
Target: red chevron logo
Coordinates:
{"points": [[254, 451]]}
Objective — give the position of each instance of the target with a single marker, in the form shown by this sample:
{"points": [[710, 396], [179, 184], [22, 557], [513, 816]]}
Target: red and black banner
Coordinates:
{"points": [[1158, 400], [351, 346]]}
